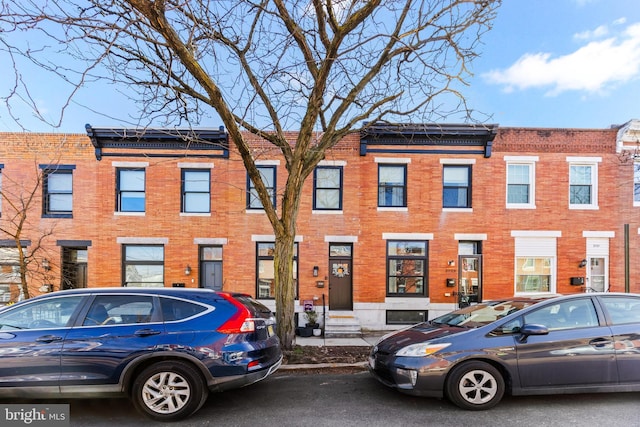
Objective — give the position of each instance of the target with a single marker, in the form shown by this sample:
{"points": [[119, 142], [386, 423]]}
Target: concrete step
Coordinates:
{"points": [[342, 324]]}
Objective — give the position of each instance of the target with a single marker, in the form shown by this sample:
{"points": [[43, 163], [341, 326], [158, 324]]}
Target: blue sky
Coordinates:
{"points": [[546, 63]]}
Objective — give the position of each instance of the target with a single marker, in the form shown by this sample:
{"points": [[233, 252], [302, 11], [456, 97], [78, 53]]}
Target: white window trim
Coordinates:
{"points": [[531, 162], [546, 247], [585, 161]]}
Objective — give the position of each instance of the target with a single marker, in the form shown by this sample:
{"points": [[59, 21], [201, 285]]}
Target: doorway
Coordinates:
{"points": [[469, 279], [340, 276], [74, 267], [211, 267]]}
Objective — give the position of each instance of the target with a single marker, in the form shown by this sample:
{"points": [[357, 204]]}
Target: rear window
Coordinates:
{"points": [[257, 309], [173, 309]]}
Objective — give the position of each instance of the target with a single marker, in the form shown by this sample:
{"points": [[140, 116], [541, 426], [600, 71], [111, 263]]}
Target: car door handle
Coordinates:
{"points": [[601, 343], [146, 332], [48, 338]]}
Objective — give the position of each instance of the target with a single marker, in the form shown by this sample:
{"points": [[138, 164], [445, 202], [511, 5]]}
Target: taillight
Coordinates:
{"points": [[240, 322]]}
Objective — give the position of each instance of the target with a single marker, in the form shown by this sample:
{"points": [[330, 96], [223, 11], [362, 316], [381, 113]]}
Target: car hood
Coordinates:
{"points": [[417, 334]]}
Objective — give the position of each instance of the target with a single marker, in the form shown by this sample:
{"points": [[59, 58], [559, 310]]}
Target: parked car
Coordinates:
{"points": [[584, 343], [165, 348]]}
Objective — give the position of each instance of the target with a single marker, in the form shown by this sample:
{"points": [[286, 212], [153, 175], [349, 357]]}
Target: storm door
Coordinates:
{"points": [[340, 277]]}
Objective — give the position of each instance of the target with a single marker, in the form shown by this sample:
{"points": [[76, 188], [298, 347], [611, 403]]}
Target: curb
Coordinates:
{"points": [[360, 365]]}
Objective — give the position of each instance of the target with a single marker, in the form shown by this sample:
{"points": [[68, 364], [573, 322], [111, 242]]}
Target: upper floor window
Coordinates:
{"points": [[583, 183], [266, 270], [456, 186], [392, 185], [57, 190], [327, 184], [143, 265], [130, 190], [520, 182], [196, 191], [268, 174], [636, 184], [1, 166], [407, 268]]}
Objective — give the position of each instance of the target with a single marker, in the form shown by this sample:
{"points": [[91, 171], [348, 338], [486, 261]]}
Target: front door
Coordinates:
{"points": [[597, 274], [469, 279], [211, 272], [340, 277]]}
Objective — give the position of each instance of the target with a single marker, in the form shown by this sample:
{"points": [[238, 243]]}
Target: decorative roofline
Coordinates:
{"points": [[207, 143], [428, 134]]}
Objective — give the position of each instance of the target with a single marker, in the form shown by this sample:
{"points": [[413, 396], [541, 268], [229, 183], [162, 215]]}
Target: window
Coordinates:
{"points": [[57, 186], [327, 184], [636, 184], [266, 270], [120, 310], [565, 315], [533, 275], [130, 188], [535, 261], [622, 309], [406, 317], [47, 314], [174, 310], [392, 185], [268, 174], [520, 182], [143, 265], [583, 179], [406, 268], [10, 285], [196, 191], [456, 186]]}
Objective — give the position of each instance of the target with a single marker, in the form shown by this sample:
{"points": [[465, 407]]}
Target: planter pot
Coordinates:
{"points": [[317, 332], [306, 332]]}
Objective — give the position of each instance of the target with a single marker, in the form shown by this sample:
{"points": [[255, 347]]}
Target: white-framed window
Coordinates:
{"points": [[535, 268], [583, 182], [521, 182]]}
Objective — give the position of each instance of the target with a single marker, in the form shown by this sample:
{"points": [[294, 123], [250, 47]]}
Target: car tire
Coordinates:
{"points": [[169, 391], [475, 386]]}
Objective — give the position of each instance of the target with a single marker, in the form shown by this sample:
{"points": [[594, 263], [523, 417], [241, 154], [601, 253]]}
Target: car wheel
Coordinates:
{"points": [[475, 386], [169, 391]]}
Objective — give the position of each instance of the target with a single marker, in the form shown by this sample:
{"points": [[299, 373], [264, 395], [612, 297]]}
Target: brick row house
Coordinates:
{"points": [[397, 224]]}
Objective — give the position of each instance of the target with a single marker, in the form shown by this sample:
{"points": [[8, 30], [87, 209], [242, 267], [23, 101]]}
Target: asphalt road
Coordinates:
{"points": [[356, 399]]}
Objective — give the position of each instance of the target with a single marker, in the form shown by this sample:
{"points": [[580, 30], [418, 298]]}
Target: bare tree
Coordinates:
{"points": [[322, 68], [21, 224]]}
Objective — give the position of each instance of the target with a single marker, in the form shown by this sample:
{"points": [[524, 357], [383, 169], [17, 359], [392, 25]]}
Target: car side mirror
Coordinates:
{"points": [[531, 329]]}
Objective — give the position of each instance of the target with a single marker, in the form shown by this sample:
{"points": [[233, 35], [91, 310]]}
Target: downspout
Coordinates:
{"points": [[627, 286]]}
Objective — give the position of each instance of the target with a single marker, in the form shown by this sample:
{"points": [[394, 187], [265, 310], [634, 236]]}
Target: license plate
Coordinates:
{"points": [[270, 331]]}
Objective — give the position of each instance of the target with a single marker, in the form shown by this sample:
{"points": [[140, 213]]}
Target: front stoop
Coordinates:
{"points": [[342, 324]]}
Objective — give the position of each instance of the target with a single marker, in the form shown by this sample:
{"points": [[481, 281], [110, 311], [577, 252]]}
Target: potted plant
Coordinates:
{"points": [[312, 325]]}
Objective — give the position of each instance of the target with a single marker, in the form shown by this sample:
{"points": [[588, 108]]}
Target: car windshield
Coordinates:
{"points": [[482, 314]]}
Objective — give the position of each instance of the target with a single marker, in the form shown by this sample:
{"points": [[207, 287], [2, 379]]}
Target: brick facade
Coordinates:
{"points": [[597, 232]]}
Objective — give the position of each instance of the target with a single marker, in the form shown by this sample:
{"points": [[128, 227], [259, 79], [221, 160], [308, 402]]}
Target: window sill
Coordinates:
{"points": [[57, 216], [521, 206], [465, 210], [205, 214], [393, 209], [129, 213], [584, 207], [327, 212]]}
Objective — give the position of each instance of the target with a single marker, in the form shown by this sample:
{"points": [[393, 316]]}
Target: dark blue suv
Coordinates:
{"points": [[166, 348]]}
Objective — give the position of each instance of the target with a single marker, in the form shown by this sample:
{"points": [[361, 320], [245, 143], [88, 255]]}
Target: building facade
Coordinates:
{"points": [[397, 224]]}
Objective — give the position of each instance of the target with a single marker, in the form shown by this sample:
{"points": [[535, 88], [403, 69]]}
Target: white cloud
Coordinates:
{"points": [[595, 67]]}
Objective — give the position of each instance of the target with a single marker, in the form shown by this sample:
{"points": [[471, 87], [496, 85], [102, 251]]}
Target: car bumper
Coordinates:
{"points": [[417, 376], [237, 381]]}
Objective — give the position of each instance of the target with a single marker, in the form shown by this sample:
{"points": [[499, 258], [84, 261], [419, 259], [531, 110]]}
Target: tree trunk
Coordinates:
{"points": [[285, 289]]}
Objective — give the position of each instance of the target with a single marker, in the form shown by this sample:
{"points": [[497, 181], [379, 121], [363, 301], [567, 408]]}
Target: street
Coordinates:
{"points": [[358, 400]]}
